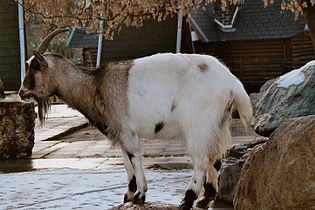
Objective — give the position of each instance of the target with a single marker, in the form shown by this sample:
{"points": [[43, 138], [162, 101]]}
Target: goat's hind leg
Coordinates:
{"points": [[210, 186], [199, 154], [195, 184]]}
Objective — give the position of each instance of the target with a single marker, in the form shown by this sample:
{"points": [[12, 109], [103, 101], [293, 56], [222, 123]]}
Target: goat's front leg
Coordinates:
{"points": [[137, 186], [142, 188], [132, 185]]}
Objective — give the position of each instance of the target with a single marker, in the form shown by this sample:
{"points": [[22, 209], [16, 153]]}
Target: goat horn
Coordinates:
{"points": [[44, 44]]}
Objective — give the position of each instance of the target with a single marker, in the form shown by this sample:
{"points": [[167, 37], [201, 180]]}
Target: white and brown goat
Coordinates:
{"points": [[160, 96]]}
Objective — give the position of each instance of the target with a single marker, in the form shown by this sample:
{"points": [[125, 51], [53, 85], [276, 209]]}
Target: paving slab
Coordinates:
{"points": [[85, 189], [60, 120], [89, 148]]}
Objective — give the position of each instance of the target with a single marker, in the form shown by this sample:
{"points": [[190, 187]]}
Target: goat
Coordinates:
{"points": [[160, 96]]}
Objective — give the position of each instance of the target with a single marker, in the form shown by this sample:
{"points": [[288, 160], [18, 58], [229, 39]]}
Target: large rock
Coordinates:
{"points": [[291, 95], [17, 121], [230, 171], [281, 173]]}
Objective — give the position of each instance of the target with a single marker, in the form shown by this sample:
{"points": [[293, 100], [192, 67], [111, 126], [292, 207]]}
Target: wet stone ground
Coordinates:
{"points": [[84, 189]]}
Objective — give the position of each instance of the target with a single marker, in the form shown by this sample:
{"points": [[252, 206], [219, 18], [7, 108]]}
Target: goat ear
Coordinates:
{"points": [[40, 59]]}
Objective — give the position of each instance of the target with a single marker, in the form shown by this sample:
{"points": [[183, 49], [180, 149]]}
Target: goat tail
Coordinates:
{"points": [[243, 106]]}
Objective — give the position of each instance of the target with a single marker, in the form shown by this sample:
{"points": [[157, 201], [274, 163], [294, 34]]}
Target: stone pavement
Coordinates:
{"points": [[59, 121], [84, 189]]}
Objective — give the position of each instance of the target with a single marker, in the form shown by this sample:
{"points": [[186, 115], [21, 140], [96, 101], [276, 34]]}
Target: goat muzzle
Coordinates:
{"points": [[24, 93]]}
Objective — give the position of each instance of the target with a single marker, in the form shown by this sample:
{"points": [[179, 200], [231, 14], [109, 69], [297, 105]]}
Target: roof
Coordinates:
{"points": [[253, 21], [131, 42], [80, 39]]}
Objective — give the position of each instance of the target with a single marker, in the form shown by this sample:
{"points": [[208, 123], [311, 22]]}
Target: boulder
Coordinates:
{"points": [[17, 121], [281, 173], [230, 171], [291, 95]]}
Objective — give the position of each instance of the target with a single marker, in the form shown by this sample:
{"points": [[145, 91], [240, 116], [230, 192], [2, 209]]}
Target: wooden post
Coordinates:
{"points": [[2, 95]]}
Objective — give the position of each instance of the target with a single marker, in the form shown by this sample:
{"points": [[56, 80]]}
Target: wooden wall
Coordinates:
{"points": [[301, 49], [89, 57], [252, 62], [9, 45], [255, 62]]}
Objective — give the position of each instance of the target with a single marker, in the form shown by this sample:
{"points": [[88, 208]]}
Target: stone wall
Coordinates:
{"points": [[17, 121]]}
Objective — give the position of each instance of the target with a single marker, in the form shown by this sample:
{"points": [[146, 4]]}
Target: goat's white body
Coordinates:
{"points": [[191, 96], [158, 82]]}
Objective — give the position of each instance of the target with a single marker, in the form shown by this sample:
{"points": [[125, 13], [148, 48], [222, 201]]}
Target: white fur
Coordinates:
{"points": [[158, 81], [201, 98]]}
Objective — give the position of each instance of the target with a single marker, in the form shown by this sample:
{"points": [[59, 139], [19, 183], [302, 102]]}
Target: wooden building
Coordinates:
{"points": [[130, 42], [256, 43], [9, 45]]}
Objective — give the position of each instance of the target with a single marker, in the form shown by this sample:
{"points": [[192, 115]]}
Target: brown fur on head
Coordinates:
{"points": [[38, 84]]}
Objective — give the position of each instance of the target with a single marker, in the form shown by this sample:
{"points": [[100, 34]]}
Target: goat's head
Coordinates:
{"points": [[37, 83]]}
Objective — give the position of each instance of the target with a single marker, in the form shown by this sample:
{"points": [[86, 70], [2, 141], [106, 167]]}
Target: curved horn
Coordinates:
{"points": [[44, 44]]}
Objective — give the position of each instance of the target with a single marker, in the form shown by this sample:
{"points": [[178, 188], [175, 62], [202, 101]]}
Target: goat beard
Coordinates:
{"points": [[43, 104]]}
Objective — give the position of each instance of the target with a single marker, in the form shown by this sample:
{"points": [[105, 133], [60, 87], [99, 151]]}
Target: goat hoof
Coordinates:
{"points": [[138, 198], [125, 198], [185, 206], [128, 197], [203, 203], [188, 201]]}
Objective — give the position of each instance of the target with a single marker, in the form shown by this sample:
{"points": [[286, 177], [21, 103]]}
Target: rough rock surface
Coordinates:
{"points": [[281, 173], [17, 121], [230, 171], [291, 95]]}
